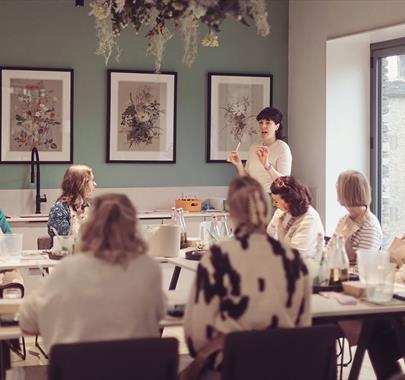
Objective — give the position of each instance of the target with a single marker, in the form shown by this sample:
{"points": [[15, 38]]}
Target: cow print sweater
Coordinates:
{"points": [[249, 283]]}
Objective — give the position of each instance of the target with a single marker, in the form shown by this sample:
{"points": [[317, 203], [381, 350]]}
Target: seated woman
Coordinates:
{"points": [[70, 210], [360, 227], [251, 282], [99, 293], [295, 222]]}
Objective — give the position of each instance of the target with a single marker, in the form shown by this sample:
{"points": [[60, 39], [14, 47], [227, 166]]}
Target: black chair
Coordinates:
{"points": [[140, 359], [280, 354]]}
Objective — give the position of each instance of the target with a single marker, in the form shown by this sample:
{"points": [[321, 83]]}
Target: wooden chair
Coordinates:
{"points": [[140, 359], [279, 354]]}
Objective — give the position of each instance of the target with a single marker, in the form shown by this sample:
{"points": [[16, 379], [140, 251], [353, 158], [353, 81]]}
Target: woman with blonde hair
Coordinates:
{"points": [[360, 228], [110, 290], [251, 282], [70, 209]]}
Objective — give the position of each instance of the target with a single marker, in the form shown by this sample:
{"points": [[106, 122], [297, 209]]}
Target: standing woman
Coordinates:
{"points": [[70, 210], [270, 159], [360, 227]]}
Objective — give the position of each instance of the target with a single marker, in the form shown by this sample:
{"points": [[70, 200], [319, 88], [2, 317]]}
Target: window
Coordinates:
{"points": [[388, 136]]}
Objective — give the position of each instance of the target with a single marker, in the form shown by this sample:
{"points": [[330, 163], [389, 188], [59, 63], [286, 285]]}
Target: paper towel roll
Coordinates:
{"points": [[165, 241]]}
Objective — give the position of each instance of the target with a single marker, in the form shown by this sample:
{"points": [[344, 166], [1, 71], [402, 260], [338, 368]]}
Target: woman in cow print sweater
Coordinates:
{"points": [[250, 283]]}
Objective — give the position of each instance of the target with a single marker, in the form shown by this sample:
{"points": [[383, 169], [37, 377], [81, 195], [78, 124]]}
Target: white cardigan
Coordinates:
{"points": [[303, 233]]}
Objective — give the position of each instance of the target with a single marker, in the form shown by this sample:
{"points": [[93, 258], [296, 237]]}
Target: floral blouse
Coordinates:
{"points": [[65, 220]]}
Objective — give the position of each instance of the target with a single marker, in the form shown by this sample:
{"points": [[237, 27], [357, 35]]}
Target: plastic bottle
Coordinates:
{"points": [[338, 263]]}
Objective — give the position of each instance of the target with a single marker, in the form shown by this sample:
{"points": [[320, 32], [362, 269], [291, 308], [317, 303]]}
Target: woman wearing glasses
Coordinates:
{"points": [[295, 222], [272, 157]]}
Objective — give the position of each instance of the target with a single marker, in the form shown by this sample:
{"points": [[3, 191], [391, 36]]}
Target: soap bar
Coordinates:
{"points": [[354, 288]]}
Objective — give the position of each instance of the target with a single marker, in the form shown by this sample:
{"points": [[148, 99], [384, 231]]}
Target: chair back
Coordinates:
{"points": [[11, 284], [279, 354], [140, 359], [44, 242]]}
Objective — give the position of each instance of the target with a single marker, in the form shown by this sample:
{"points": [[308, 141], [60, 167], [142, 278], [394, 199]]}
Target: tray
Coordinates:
{"points": [[196, 254]]}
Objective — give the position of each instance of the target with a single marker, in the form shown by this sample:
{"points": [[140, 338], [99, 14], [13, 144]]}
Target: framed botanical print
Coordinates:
{"points": [[234, 100], [36, 111], [141, 117]]}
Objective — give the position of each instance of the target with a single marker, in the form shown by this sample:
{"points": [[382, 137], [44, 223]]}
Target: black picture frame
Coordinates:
{"points": [[234, 100], [36, 110], [141, 117]]}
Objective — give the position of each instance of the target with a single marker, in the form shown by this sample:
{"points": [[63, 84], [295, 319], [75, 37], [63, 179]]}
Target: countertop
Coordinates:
{"points": [[157, 214]]}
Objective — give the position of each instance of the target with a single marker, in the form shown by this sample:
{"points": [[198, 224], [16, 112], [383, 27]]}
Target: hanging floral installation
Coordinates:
{"points": [[162, 18]]}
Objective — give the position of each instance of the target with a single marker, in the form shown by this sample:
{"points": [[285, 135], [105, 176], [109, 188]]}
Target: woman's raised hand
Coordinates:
{"points": [[262, 153], [234, 158]]}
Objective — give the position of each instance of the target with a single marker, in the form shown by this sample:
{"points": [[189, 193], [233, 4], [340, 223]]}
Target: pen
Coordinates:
{"points": [[237, 147]]}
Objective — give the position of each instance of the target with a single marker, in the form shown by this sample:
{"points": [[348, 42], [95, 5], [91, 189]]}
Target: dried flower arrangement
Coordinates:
{"points": [[112, 16]]}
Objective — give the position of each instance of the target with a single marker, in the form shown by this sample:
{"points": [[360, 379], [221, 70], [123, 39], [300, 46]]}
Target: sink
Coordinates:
{"points": [[34, 216]]}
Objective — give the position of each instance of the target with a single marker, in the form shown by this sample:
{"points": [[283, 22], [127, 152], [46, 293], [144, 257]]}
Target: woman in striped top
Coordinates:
{"points": [[360, 227]]}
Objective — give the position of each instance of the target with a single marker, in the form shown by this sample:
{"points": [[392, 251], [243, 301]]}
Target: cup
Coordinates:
{"points": [[380, 280], [371, 257], [11, 244], [63, 245]]}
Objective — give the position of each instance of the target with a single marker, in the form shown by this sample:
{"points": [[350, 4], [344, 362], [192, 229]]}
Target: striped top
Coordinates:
{"points": [[369, 235]]}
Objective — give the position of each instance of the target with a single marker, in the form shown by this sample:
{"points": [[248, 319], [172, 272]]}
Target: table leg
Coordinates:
{"points": [[362, 345], [4, 359], [399, 328], [175, 277]]}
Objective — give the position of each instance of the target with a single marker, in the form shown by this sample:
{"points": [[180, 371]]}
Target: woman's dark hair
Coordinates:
{"points": [[272, 114], [294, 193]]}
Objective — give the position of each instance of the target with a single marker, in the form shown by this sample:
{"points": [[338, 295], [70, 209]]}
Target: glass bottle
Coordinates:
{"points": [[183, 233], [214, 229], [323, 271], [338, 263], [227, 231]]}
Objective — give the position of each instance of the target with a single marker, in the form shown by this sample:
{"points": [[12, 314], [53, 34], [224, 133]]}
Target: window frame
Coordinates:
{"points": [[378, 51]]}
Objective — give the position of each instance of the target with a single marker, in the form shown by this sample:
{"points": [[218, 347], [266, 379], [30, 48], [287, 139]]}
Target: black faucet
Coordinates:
{"points": [[38, 198]]}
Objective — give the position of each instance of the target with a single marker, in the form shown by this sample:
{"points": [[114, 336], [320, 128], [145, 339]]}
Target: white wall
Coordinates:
{"points": [[311, 25]]}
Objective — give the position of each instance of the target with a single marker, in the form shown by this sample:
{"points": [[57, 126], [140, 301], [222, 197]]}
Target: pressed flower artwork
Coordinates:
{"points": [[36, 111], [35, 115], [235, 100], [141, 122]]}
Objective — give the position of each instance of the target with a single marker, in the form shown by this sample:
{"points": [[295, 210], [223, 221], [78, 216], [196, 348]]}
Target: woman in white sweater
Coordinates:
{"points": [[295, 222], [110, 290], [249, 283], [272, 157]]}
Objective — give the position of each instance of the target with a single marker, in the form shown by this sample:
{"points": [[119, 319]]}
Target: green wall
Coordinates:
{"points": [[54, 34]]}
